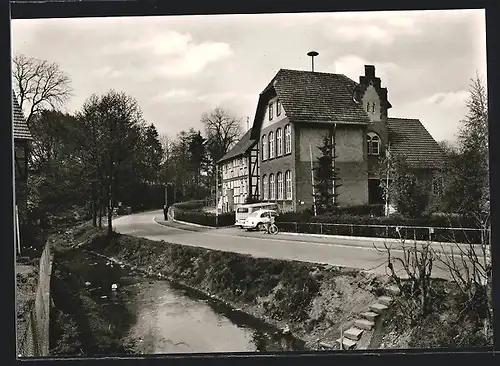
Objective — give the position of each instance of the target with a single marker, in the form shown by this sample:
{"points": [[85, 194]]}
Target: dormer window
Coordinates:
{"points": [[278, 107], [271, 111], [373, 143]]}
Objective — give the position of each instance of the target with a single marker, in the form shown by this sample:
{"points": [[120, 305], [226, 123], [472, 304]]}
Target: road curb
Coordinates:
{"points": [[188, 224]]}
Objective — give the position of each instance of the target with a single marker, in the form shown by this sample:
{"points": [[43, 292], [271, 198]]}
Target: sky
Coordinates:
{"points": [[178, 67]]}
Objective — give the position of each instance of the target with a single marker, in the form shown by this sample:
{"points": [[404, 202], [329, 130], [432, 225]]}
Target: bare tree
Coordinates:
{"points": [[39, 84], [222, 132], [415, 282]]}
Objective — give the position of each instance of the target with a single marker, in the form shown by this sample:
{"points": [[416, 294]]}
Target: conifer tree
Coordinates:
{"points": [[326, 177]]}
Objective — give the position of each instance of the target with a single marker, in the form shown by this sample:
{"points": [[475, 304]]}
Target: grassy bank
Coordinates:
{"points": [[81, 323], [313, 301]]}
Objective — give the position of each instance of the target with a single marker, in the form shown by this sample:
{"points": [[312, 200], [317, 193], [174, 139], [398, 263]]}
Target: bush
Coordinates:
{"points": [[204, 218], [190, 205], [382, 227]]}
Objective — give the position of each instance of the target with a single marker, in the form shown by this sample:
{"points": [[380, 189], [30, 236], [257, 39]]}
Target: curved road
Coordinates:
{"points": [[343, 252]]}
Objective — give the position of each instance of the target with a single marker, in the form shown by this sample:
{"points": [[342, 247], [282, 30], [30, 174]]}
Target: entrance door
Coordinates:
{"points": [[375, 193]]}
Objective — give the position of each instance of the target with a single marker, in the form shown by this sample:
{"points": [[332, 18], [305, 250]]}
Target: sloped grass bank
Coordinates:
{"points": [[312, 301], [81, 322], [451, 323]]}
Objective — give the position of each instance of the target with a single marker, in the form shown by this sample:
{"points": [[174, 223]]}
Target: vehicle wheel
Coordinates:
{"points": [[273, 229]]}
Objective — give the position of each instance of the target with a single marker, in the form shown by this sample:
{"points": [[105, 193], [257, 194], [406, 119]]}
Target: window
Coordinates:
{"points": [[288, 182], [279, 142], [370, 107], [265, 191], [271, 145], [373, 144], [264, 147], [272, 187], [288, 139], [271, 111], [278, 107], [280, 186]]}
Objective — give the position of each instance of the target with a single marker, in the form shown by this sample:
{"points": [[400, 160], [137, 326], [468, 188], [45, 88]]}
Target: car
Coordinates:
{"points": [[257, 218]]}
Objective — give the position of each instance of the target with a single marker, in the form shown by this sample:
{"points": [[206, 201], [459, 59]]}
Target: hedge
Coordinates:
{"points": [[190, 205], [204, 218], [396, 220], [409, 233]]}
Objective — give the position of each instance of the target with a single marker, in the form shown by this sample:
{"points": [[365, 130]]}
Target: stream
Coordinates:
{"points": [[156, 316]]}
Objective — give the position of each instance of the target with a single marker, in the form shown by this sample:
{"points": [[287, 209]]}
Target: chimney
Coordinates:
{"points": [[370, 71], [248, 123]]}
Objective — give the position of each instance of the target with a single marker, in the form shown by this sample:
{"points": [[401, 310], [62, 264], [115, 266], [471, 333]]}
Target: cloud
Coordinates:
{"points": [[447, 99], [352, 66], [174, 95], [176, 54]]}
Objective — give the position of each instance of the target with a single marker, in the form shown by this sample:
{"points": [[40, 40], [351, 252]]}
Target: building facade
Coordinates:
{"points": [[239, 170], [299, 108]]}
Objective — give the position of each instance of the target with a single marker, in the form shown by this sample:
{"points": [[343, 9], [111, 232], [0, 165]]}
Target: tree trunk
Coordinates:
{"points": [[94, 205]]}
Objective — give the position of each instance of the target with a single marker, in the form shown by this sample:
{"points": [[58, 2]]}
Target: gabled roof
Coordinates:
{"points": [[313, 96], [20, 127], [410, 139], [241, 147]]}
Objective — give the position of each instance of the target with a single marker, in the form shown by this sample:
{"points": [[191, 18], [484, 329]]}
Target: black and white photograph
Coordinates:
{"points": [[259, 183]]}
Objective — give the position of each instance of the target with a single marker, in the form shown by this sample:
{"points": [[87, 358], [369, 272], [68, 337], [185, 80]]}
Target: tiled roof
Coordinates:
{"points": [[20, 127], [318, 96], [410, 139], [240, 148]]}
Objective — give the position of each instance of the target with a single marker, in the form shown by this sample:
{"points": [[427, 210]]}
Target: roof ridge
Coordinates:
{"points": [[404, 118]]}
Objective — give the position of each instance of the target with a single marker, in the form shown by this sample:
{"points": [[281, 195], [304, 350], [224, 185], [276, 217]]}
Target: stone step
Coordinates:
{"points": [[369, 315], [393, 290], [364, 324], [353, 333], [378, 308], [346, 343], [385, 300], [326, 345]]}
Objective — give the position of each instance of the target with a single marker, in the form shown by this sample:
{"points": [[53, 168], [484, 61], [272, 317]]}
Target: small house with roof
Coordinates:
{"points": [[22, 138], [294, 113]]}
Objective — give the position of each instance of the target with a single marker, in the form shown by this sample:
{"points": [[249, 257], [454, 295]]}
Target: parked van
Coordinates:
{"points": [[243, 211]]}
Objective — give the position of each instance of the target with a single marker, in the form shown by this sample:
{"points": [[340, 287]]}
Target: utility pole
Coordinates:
{"points": [[312, 179]]}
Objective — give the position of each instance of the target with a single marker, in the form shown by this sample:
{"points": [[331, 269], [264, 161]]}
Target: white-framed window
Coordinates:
{"points": [[288, 139], [265, 189], [278, 107], [271, 145], [271, 111], [373, 143], [280, 186], [264, 147], [272, 187], [279, 142], [288, 182]]}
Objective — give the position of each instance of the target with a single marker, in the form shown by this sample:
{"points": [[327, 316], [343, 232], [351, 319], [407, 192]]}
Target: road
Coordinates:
{"points": [[356, 253]]}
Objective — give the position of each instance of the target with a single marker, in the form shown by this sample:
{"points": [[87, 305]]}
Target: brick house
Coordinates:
{"points": [[297, 109]]}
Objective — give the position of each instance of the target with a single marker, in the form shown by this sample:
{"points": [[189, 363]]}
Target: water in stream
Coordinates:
{"points": [[169, 319]]}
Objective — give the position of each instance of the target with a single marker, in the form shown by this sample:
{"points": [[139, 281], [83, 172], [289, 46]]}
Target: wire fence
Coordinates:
{"points": [[34, 340], [436, 234]]}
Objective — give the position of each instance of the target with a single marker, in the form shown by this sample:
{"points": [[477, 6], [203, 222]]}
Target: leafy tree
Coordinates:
{"points": [[326, 182], [406, 191], [39, 84], [110, 136]]}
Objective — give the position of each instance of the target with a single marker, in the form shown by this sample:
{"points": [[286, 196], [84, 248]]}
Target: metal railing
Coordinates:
{"points": [[426, 233], [34, 341]]}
